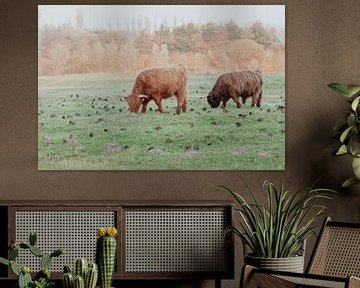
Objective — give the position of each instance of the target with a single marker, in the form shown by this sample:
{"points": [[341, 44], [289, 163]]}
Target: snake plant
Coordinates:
{"points": [[279, 228]]}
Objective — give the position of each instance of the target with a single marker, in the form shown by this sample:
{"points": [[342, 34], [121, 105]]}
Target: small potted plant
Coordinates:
{"points": [[106, 254], [84, 274], [275, 233], [42, 278], [348, 132]]}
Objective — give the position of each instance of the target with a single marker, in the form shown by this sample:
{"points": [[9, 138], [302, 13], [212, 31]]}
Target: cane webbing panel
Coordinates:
{"points": [[267, 280], [74, 231], [338, 252], [174, 241], [313, 282]]}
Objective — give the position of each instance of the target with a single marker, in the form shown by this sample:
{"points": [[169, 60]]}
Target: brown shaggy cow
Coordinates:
{"points": [[157, 84], [233, 85]]}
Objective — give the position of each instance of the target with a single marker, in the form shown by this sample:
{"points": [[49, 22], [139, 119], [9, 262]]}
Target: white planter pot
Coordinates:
{"points": [[291, 264]]}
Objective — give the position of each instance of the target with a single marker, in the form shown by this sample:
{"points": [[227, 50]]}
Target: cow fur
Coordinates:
{"points": [[158, 84], [237, 85]]}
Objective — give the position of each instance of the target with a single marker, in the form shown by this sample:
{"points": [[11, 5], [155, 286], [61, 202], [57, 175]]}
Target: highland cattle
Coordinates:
{"points": [[158, 84], [236, 85]]}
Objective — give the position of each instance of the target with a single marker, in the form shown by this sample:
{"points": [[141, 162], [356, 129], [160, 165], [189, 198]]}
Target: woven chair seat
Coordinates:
{"points": [[314, 282], [335, 262]]}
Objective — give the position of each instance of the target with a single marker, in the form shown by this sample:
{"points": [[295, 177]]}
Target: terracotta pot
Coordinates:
{"points": [[291, 264]]}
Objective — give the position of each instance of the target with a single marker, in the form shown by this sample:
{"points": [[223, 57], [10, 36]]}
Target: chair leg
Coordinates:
{"points": [[246, 273], [217, 283]]}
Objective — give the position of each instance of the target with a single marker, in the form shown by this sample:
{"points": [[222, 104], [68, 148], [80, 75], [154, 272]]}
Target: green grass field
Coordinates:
{"points": [[84, 124]]}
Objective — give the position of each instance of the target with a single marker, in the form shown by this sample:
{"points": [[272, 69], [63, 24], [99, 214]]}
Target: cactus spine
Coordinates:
{"points": [[80, 267], [79, 282], [91, 276], [105, 254], [68, 280]]}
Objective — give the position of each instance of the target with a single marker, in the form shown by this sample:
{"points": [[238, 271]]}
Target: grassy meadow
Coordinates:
{"points": [[84, 124]]}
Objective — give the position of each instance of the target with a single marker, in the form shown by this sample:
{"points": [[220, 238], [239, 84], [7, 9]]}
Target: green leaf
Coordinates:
{"points": [[342, 150], [349, 182], [351, 120], [356, 167], [14, 268], [353, 89], [4, 261], [345, 134], [340, 88], [355, 103], [354, 145]]}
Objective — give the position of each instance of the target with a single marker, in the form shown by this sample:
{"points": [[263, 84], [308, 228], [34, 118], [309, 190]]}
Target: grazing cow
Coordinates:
{"points": [[157, 84], [233, 85]]}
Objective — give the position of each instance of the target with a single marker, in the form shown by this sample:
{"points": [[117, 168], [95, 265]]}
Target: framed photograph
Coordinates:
{"points": [[161, 87]]}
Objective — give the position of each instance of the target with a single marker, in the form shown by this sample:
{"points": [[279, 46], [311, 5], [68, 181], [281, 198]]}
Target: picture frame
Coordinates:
{"points": [[230, 114]]}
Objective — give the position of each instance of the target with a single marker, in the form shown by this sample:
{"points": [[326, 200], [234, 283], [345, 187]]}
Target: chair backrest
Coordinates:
{"points": [[337, 251]]}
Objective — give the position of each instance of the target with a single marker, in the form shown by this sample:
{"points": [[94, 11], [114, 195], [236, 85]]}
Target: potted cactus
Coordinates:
{"points": [[42, 278], [84, 275], [106, 254]]}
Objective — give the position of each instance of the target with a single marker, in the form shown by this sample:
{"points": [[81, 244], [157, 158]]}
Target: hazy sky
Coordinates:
{"points": [[103, 16]]}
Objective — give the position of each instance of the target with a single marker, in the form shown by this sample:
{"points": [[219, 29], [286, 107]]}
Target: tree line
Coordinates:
{"points": [[202, 48]]}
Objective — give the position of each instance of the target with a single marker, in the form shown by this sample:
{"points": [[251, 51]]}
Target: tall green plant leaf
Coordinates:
{"points": [[340, 88], [279, 228], [271, 190], [249, 190]]}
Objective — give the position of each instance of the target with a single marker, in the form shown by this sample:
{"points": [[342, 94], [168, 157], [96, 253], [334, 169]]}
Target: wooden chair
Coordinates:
{"points": [[334, 263]]}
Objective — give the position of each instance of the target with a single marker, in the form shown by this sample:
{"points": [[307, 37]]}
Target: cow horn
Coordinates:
{"points": [[144, 97]]}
